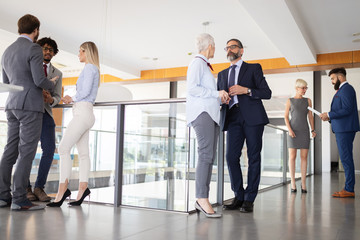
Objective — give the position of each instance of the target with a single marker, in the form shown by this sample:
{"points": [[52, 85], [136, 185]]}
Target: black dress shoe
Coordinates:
{"points": [[236, 204], [247, 207], [293, 190]]}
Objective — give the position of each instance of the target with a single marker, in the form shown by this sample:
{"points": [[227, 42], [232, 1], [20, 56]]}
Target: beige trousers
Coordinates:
{"points": [[77, 132]]}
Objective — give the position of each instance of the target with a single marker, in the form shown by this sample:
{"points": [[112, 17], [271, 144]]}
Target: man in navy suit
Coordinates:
{"points": [[344, 120], [243, 118]]}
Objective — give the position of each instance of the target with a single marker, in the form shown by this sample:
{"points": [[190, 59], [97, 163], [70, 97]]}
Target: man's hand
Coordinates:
{"points": [[324, 116], [224, 97], [47, 97], [54, 79], [67, 99], [237, 90]]}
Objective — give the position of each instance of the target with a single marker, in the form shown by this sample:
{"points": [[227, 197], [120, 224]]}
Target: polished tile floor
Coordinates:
{"points": [[278, 214]]}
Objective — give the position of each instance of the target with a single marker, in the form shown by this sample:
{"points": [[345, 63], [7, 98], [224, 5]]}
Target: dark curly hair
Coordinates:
{"points": [[50, 42]]}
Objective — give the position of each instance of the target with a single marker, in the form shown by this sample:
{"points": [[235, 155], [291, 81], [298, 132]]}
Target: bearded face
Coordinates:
{"points": [[337, 84], [232, 56]]}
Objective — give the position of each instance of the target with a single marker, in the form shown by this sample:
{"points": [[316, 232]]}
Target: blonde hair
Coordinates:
{"points": [[91, 53], [300, 83]]}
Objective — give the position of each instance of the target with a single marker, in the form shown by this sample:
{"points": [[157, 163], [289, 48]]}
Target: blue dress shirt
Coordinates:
{"points": [[87, 84], [202, 94]]}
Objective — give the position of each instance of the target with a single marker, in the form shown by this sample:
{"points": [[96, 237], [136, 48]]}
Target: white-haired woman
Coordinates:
{"points": [[77, 132], [203, 114], [299, 137]]}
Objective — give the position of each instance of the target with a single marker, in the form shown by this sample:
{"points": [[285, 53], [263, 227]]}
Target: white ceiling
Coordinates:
{"points": [[130, 34]]}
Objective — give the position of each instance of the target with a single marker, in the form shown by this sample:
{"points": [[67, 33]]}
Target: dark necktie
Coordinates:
{"points": [[232, 82], [45, 69], [209, 65]]}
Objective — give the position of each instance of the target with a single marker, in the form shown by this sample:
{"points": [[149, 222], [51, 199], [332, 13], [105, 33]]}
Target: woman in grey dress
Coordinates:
{"points": [[299, 137]]}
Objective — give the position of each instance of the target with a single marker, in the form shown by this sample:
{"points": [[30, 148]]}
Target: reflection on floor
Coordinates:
{"points": [[278, 214], [154, 194]]}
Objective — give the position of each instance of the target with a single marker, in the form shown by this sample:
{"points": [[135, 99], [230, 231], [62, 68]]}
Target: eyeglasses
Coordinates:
{"points": [[232, 47], [303, 88], [48, 49]]}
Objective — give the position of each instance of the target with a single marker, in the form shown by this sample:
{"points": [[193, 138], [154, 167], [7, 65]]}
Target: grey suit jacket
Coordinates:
{"points": [[56, 93], [22, 65]]}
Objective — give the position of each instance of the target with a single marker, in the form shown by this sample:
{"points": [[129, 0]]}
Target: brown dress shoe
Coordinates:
{"points": [[30, 195], [344, 194], [41, 195]]}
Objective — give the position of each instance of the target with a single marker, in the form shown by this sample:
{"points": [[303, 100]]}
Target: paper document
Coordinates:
{"points": [[314, 111]]}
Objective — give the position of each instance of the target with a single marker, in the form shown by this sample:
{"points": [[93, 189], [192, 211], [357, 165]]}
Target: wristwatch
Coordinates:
{"points": [[249, 91]]}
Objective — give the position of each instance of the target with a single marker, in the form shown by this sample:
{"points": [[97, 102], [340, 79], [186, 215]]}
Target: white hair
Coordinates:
{"points": [[203, 41]]}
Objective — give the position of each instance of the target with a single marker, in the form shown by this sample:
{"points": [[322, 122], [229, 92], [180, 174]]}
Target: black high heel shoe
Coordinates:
{"points": [[67, 193], [303, 190], [79, 202]]}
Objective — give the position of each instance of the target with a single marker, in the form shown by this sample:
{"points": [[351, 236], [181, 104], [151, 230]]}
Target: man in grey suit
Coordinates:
{"points": [[22, 66], [47, 138]]}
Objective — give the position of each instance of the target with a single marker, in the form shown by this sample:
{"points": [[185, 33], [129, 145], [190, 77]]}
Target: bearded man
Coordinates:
{"points": [[344, 120], [244, 119]]}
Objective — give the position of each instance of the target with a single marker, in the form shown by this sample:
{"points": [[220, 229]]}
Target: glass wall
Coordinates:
{"points": [[158, 159]]}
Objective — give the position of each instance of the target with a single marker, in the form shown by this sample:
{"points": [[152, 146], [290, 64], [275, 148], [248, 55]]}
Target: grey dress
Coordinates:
{"points": [[299, 124]]}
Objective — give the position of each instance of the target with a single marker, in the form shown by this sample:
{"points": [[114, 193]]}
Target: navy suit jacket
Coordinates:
{"points": [[344, 112], [251, 107]]}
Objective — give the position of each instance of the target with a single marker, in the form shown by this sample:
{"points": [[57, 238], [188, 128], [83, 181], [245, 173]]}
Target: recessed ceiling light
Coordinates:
{"points": [[356, 34], [207, 23]]}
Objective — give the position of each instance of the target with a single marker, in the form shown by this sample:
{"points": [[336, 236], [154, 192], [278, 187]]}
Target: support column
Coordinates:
{"points": [[170, 176], [317, 122]]}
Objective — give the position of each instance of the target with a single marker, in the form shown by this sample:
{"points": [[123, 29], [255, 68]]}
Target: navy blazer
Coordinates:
{"points": [[251, 107], [344, 112]]}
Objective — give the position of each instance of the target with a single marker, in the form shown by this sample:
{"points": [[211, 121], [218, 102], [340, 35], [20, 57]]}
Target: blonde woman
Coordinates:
{"points": [[299, 137], [77, 131]]}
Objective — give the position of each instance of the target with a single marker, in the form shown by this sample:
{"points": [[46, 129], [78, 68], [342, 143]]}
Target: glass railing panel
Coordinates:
{"points": [[272, 157], [160, 157], [155, 156], [102, 149]]}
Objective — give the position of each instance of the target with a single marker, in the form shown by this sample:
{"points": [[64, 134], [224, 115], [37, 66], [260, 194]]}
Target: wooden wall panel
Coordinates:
{"points": [[270, 66]]}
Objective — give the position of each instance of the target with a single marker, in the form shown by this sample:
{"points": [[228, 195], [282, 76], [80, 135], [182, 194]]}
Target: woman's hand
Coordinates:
{"points": [[313, 134], [291, 133], [67, 99], [224, 97]]}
